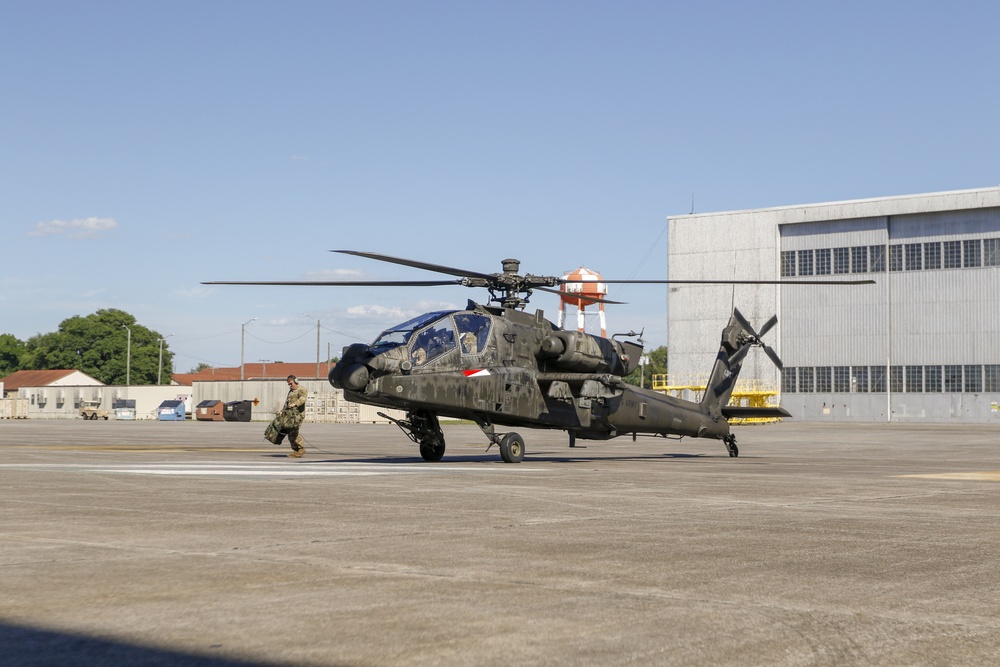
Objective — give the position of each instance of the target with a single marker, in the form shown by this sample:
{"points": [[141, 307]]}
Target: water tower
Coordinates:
{"points": [[580, 294]]}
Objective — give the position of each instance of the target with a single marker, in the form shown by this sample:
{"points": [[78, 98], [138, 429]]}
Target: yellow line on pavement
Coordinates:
{"points": [[153, 449], [984, 476]]}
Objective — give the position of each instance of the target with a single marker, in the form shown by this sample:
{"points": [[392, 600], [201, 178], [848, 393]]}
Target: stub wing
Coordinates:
{"points": [[743, 412]]}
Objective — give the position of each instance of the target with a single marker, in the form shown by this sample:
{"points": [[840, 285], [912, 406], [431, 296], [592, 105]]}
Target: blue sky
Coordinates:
{"points": [[148, 146]]}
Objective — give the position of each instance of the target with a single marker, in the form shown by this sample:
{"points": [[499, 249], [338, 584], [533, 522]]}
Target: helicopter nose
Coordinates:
{"points": [[355, 378]]}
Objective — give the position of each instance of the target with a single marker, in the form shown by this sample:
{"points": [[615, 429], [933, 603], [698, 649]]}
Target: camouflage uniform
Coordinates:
{"points": [[292, 416]]}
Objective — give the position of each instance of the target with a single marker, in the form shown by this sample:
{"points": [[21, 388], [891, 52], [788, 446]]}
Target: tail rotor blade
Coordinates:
{"points": [[767, 326], [774, 357], [738, 355], [743, 321]]}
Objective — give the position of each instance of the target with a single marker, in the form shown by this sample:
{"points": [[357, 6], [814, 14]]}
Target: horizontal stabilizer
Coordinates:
{"points": [[742, 412]]}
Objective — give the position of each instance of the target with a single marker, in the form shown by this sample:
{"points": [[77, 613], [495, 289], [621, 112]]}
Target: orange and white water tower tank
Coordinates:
{"points": [[580, 294]]}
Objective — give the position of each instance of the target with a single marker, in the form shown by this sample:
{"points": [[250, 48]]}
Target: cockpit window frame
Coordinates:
{"points": [[404, 331]]}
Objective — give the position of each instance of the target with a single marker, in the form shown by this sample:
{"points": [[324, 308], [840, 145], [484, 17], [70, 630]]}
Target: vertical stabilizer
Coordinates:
{"points": [[737, 338], [726, 369]]}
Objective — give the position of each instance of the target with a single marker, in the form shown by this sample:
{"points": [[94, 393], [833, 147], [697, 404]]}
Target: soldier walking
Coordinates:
{"points": [[292, 416]]}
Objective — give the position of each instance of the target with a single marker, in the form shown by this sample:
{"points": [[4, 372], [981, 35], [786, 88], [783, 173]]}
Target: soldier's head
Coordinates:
{"points": [[293, 381]]}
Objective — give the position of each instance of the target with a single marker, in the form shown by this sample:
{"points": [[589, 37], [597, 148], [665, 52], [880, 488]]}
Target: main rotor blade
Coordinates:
{"points": [[438, 268], [344, 283], [723, 282], [585, 299]]}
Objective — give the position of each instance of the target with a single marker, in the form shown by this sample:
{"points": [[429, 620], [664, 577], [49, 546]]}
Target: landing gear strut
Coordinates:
{"points": [[423, 428], [730, 441]]}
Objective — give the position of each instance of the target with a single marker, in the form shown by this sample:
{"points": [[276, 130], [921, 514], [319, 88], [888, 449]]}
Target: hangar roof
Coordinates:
{"points": [[863, 208]]}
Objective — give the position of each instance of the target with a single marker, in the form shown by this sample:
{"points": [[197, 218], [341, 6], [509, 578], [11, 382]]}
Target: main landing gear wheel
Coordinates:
{"points": [[512, 448], [730, 441], [432, 450]]}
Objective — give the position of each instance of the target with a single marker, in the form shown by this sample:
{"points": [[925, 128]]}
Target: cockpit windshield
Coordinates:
{"points": [[400, 334]]}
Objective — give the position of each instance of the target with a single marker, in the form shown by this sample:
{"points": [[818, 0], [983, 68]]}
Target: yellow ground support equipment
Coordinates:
{"points": [[747, 393]]}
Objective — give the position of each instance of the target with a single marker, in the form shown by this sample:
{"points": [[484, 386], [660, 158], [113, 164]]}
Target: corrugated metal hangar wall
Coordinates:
{"points": [[920, 344]]}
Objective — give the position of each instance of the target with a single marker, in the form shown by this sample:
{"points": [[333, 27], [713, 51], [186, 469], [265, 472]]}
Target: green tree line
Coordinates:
{"points": [[96, 345], [643, 377]]}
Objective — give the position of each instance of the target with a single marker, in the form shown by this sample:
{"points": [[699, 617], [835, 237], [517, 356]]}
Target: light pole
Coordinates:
{"points": [[243, 346], [317, 341], [159, 372], [128, 357]]}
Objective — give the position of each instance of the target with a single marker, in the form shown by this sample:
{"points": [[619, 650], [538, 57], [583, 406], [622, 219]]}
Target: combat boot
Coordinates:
{"points": [[297, 453]]}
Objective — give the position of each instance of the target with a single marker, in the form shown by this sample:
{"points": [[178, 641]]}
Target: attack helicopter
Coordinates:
{"points": [[499, 366]]}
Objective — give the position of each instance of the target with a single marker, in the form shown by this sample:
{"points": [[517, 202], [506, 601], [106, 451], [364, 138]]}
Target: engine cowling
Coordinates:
{"points": [[584, 353]]}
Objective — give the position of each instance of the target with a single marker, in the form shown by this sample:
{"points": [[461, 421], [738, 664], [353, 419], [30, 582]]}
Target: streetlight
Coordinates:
{"points": [[243, 346], [159, 372], [317, 340], [128, 357]]}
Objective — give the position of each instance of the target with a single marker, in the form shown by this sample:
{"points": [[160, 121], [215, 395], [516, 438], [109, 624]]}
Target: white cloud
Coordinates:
{"points": [[334, 274], [80, 228], [375, 310]]}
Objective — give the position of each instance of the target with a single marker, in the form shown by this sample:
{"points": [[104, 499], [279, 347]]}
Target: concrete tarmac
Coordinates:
{"points": [[198, 543]]}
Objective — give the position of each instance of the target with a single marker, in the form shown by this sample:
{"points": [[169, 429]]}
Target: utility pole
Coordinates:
{"points": [[243, 345], [159, 372], [128, 357], [317, 340]]}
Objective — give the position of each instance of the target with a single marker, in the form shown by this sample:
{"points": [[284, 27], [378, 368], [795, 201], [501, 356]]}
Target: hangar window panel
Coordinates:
{"points": [[823, 380], [896, 379], [841, 260], [915, 379], [806, 383], [859, 259], [805, 262], [953, 379], [895, 258], [859, 379], [973, 379], [932, 255], [876, 254], [991, 252], [823, 261], [932, 379], [878, 379], [914, 256], [842, 379], [788, 380], [973, 251], [787, 263], [992, 377], [952, 254]]}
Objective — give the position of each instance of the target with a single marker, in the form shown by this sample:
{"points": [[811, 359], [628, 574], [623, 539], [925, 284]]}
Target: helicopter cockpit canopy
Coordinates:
{"points": [[400, 334], [432, 338]]}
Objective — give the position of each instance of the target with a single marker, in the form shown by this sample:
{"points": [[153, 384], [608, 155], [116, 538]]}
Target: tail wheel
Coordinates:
{"points": [[512, 448]]}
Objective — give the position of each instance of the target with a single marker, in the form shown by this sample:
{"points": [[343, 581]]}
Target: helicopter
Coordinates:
{"points": [[499, 366]]}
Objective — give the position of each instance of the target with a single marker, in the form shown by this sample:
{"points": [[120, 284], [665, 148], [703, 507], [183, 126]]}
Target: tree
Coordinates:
{"points": [[200, 367], [98, 346], [12, 353], [657, 366]]}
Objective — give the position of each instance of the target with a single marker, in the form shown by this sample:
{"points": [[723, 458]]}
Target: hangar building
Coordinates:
{"points": [[922, 343]]}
